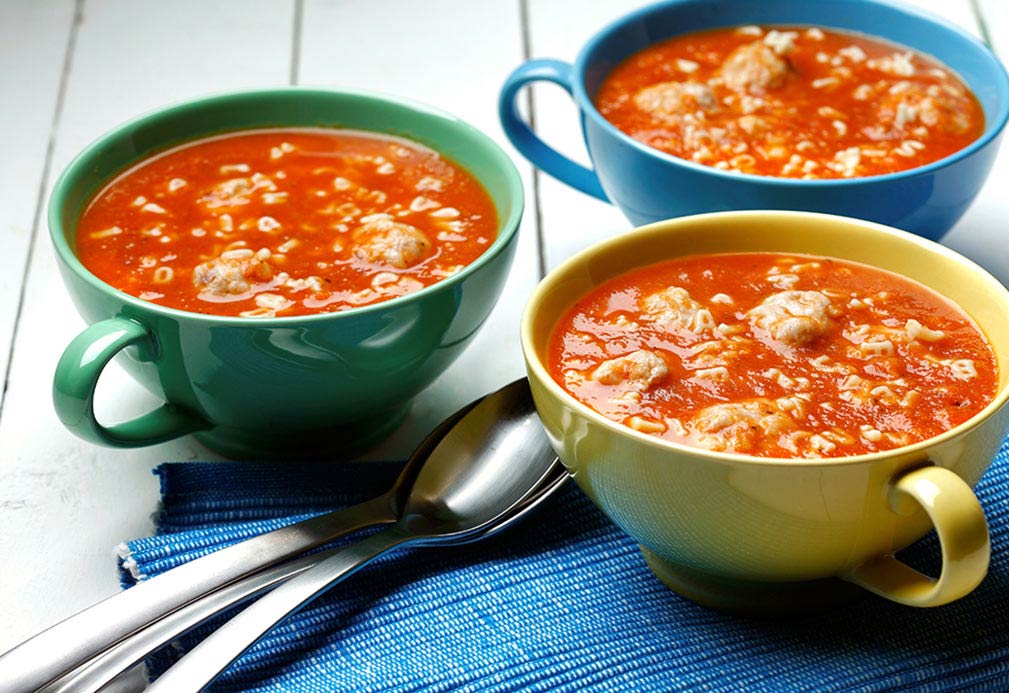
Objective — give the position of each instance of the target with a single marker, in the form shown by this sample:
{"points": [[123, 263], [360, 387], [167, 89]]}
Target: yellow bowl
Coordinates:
{"points": [[763, 535]]}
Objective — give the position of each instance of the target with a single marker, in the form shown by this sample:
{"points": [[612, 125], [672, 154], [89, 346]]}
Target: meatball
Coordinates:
{"points": [[667, 101], [638, 370], [233, 272], [754, 68], [388, 242], [673, 307], [907, 106], [796, 318], [739, 426]]}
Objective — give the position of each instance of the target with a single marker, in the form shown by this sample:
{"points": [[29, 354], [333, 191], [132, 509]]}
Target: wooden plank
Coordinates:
{"points": [[452, 54], [33, 43], [66, 504], [571, 220]]}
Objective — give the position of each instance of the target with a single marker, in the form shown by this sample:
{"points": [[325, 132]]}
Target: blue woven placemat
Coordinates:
{"points": [[563, 602]]}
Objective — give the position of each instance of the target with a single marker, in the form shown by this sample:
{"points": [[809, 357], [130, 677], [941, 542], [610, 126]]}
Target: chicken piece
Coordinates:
{"points": [[754, 68], [793, 317], [667, 101], [638, 370], [674, 308], [233, 272], [384, 241], [739, 426]]}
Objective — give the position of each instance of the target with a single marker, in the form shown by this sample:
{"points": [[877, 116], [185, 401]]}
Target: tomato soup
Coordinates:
{"points": [[793, 102], [271, 223], [774, 355]]}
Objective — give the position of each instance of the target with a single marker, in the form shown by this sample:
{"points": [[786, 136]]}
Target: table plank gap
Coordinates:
{"points": [[296, 28], [527, 42], [959, 12], [993, 15], [571, 220], [978, 235], [982, 23]]}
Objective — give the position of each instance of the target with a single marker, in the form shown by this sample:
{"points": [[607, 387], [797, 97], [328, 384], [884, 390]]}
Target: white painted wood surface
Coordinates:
{"points": [[64, 504], [33, 47]]}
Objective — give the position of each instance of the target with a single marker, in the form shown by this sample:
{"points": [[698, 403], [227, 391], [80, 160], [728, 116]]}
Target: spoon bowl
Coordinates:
{"points": [[492, 459]]}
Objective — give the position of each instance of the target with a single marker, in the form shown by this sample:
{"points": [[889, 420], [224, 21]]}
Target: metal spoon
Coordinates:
{"points": [[461, 492], [65, 646], [103, 669]]}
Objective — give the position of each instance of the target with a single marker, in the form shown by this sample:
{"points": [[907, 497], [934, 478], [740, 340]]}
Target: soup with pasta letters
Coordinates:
{"points": [[794, 102], [273, 223], [770, 355]]}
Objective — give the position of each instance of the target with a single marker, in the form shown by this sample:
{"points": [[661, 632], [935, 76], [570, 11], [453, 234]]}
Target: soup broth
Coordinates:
{"points": [[272, 223], [794, 102], [774, 355]]}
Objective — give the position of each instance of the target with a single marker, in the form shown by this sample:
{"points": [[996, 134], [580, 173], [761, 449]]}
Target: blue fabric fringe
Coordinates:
{"points": [[563, 602]]}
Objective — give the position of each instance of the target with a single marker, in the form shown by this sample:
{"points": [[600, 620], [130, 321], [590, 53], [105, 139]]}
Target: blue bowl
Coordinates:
{"points": [[648, 185]]}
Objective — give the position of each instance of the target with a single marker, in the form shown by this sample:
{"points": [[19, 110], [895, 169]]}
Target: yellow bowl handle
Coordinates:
{"points": [[963, 537]]}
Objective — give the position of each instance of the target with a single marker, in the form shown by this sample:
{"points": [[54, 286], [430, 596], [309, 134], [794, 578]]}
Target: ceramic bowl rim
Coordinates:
{"points": [[537, 368]]}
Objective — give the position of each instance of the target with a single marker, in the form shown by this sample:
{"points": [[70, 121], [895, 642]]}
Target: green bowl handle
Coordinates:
{"points": [[77, 375], [963, 537]]}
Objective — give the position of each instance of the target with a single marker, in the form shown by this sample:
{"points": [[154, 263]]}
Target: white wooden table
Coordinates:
{"points": [[70, 70]]}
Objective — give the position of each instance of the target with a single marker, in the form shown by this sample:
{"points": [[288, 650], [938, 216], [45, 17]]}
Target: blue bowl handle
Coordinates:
{"points": [[527, 142]]}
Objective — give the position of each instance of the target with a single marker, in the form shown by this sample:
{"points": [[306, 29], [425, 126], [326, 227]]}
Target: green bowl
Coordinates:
{"points": [[258, 388]]}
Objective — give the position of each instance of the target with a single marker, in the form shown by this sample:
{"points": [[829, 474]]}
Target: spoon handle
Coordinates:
{"points": [[102, 669], [78, 639], [201, 665]]}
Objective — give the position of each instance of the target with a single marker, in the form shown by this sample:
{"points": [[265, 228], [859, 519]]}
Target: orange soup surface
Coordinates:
{"points": [[774, 355], [795, 102], [271, 223]]}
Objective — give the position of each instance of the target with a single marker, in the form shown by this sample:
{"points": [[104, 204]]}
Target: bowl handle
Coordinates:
{"points": [[539, 153], [963, 539], [77, 376]]}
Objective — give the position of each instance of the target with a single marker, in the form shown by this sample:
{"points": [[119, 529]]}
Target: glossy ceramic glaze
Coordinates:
{"points": [[648, 185], [726, 529], [255, 388]]}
